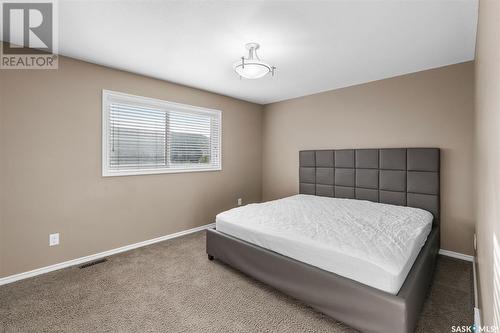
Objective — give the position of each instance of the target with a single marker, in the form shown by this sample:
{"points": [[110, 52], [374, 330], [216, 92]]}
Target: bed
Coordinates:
{"points": [[359, 243]]}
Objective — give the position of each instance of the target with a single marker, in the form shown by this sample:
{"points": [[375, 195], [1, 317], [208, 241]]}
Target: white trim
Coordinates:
{"points": [[477, 311], [109, 96], [477, 318], [78, 261], [474, 274], [456, 255], [92, 257], [158, 171]]}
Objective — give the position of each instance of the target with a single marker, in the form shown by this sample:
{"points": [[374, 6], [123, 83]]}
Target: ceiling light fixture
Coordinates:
{"points": [[252, 67]]}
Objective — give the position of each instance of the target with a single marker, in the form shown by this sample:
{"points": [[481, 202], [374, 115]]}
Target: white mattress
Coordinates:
{"points": [[372, 243]]}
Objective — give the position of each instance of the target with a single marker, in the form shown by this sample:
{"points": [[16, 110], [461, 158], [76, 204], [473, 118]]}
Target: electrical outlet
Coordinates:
{"points": [[240, 201], [54, 239]]}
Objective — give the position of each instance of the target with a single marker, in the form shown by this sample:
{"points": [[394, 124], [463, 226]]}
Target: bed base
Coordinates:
{"points": [[357, 305]]}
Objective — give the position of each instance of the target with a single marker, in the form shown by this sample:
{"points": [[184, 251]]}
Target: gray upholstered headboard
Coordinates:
{"points": [[399, 176]]}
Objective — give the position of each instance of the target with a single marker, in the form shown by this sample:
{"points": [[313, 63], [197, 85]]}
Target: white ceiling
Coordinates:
{"points": [[316, 45]]}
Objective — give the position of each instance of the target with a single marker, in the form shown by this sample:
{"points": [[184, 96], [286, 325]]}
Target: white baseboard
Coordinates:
{"points": [[474, 281], [92, 257], [457, 255], [477, 312], [477, 318]]}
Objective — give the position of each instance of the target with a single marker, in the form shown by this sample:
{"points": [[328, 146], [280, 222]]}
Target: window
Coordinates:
{"points": [[145, 136]]}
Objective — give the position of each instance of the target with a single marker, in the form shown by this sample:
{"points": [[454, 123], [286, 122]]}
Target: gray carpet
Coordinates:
{"points": [[172, 287]]}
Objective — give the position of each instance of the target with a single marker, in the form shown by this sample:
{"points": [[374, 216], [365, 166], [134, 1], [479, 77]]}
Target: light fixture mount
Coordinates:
{"points": [[252, 46], [252, 67]]}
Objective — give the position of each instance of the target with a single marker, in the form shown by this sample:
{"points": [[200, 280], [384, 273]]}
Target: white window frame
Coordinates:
{"points": [[109, 97]]}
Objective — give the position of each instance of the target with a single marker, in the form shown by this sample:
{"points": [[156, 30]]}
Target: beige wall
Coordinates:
{"points": [[427, 109], [50, 167], [1, 182], [488, 159]]}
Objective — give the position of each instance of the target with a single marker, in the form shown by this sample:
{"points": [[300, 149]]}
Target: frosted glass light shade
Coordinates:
{"points": [[252, 69]]}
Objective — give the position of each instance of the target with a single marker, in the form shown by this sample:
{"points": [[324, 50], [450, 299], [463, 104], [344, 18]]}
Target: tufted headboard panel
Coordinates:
{"points": [[398, 176]]}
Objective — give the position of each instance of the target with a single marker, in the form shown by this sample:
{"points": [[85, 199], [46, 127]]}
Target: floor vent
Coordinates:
{"points": [[92, 263]]}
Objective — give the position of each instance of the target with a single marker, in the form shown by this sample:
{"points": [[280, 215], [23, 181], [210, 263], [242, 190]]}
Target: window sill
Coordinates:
{"points": [[107, 173]]}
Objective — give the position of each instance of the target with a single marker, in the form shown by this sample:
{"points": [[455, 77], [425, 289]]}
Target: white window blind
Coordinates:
{"points": [[143, 136]]}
